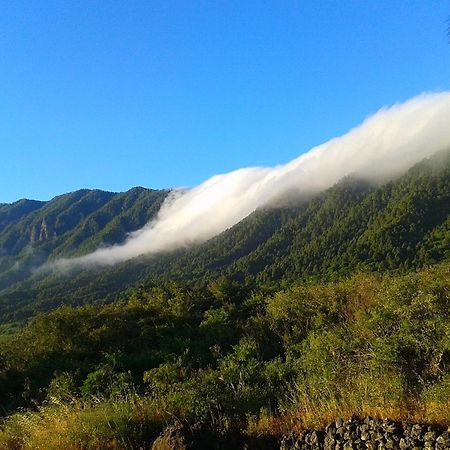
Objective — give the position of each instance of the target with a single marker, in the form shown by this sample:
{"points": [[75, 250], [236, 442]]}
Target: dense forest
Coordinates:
{"points": [[33, 232], [338, 305], [355, 226]]}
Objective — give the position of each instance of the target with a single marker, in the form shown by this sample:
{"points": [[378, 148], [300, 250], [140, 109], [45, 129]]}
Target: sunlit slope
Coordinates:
{"points": [[382, 147], [353, 226], [75, 223]]}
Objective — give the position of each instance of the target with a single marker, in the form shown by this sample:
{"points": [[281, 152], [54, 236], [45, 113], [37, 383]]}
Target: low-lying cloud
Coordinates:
{"points": [[387, 143]]}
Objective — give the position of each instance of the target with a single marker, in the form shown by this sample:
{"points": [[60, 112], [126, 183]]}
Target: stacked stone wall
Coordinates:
{"points": [[370, 434]]}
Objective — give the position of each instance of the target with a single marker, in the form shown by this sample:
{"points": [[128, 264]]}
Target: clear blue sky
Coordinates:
{"points": [[114, 94]]}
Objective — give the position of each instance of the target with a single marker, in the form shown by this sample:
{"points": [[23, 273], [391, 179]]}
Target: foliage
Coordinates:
{"points": [[355, 226], [230, 360], [33, 232], [339, 305]]}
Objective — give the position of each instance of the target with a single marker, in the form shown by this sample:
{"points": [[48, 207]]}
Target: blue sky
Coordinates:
{"points": [[113, 94]]}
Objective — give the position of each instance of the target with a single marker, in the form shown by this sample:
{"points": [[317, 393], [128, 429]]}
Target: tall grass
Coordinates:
{"points": [[139, 423], [119, 424]]}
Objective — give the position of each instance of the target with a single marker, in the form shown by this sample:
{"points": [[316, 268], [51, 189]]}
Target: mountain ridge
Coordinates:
{"points": [[354, 226], [33, 232]]}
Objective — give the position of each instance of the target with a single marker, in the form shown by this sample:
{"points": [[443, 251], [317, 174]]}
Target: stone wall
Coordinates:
{"points": [[370, 434]]}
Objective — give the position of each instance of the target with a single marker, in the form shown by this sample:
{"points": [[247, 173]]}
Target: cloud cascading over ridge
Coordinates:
{"points": [[387, 143]]}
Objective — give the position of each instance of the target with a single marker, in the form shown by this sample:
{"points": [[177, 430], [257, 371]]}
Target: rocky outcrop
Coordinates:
{"points": [[42, 232], [370, 434]]}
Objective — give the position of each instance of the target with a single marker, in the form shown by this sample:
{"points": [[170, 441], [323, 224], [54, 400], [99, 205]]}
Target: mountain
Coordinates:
{"points": [[33, 232], [264, 330], [354, 226]]}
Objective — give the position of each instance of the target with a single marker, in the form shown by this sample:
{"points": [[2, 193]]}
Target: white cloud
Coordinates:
{"points": [[387, 143]]}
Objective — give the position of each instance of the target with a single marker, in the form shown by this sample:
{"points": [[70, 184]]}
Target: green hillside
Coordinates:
{"points": [[352, 227], [79, 222], [338, 306], [10, 213]]}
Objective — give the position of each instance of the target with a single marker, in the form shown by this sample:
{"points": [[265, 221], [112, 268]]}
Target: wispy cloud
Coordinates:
{"points": [[387, 143]]}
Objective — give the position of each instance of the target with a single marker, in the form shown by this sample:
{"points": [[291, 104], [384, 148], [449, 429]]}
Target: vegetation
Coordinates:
{"points": [[355, 226], [228, 359], [335, 306], [32, 232]]}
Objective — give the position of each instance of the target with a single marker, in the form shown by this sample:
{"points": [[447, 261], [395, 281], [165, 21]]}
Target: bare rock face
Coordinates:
{"points": [[42, 232], [370, 433]]}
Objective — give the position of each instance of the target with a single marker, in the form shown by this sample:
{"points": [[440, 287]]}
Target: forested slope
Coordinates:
{"points": [[32, 232], [356, 225], [267, 328]]}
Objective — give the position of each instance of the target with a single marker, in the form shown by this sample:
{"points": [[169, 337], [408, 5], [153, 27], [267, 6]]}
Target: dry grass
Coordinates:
{"points": [[137, 424], [310, 416], [170, 439], [107, 425]]}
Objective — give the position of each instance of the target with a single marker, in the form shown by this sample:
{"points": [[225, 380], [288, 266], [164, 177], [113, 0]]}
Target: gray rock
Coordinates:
{"points": [[416, 431], [444, 439], [369, 434], [390, 428], [365, 436], [377, 436], [429, 436], [330, 435], [349, 435], [364, 427], [314, 438]]}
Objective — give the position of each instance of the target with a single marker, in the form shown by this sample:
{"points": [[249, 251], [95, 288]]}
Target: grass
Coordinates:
{"points": [[104, 425], [138, 423]]}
